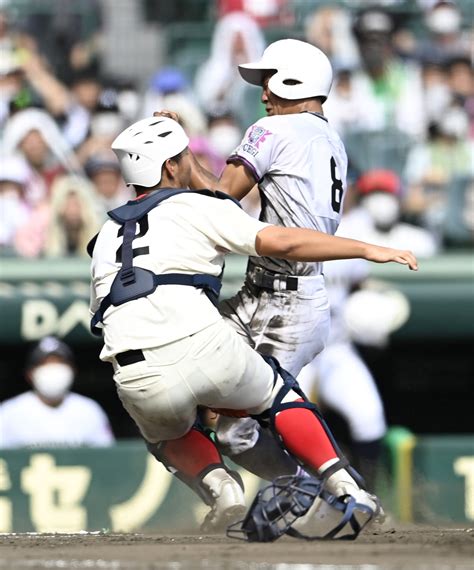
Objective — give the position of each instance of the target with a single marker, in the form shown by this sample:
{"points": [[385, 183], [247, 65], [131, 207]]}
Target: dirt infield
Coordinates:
{"points": [[397, 548]]}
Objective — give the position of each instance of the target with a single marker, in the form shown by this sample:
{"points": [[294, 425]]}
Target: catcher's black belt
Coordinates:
{"points": [[129, 357]]}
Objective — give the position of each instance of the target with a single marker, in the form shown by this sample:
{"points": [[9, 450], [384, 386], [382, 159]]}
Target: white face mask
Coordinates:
{"points": [[444, 20], [383, 209], [224, 139], [53, 380]]}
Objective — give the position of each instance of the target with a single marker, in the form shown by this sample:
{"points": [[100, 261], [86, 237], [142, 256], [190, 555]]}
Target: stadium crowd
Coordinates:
{"points": [[402, 101]]}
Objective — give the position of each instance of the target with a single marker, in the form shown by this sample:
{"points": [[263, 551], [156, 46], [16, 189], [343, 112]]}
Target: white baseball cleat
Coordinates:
{"points": [[229, 501]]}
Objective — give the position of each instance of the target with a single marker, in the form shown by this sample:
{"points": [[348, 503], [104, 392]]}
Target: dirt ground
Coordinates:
{"points": [[394, 548]]}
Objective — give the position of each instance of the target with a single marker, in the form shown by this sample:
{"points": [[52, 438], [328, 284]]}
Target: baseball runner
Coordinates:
{"points": [[299, 163], [155, 275]]}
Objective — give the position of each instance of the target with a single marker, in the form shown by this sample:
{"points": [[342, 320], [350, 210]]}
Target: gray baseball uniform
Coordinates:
{"points": [[282, 309]]}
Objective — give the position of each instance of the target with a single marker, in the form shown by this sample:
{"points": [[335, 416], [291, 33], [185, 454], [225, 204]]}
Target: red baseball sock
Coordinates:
{"points": [[192, 453], [304, 436]]}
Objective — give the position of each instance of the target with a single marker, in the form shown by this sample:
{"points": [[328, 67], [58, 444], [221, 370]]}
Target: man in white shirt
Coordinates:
{"points": [[50, 415], [170, 348]]}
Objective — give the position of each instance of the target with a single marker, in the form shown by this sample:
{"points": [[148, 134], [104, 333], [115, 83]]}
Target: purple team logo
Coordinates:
{"points": [[258, 135]]}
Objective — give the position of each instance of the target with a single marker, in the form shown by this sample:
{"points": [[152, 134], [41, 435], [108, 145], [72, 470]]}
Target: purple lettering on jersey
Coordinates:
{"points": [[258, 135], [250, 149]]}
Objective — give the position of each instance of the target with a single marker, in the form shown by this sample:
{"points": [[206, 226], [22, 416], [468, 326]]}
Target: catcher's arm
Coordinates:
{"points": [[301, 244]]}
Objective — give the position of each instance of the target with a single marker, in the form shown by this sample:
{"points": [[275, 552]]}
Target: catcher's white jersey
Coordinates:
{"points": [[187, 233], [300, 164]]}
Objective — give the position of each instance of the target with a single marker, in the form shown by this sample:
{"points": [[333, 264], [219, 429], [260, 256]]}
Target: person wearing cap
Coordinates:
{"points": [[169, 89], [155, 280], [103, 170], [50, 415], [377, 217], [391, 88], [300, 164]]}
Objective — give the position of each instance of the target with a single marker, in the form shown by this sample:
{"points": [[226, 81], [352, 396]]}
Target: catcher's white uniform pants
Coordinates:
{"points": [[213, 368], [345, 384], [292, 326]]}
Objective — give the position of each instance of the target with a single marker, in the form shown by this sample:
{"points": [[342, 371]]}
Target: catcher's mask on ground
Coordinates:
{"points": [[277, 509]]}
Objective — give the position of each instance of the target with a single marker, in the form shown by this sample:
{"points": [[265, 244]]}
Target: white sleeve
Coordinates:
{"points": [[229, 227], [256, 150]]}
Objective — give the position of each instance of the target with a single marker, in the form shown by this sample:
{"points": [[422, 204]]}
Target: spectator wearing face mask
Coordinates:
{"points": [[446, 39], [224, 133], [377, 217], [50, 415], [434, 165]]}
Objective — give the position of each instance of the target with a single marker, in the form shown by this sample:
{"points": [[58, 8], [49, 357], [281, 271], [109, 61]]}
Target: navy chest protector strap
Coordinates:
{"points": [[131, 282]]}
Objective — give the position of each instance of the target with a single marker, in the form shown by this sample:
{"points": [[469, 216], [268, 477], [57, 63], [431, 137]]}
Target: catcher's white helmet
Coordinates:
{"points": [[143, 148], [302, 70]]}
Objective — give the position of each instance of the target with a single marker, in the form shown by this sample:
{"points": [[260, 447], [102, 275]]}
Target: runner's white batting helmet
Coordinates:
{"points": [[143, 148], [302, 70]]}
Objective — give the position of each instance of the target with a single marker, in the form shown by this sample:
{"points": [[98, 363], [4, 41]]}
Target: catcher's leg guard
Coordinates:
{"points": [[195, 460], [303, 431]]}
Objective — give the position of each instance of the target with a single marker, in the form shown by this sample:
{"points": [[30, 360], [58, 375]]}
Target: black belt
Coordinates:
{"points": [[129, 357], [266, 280]]}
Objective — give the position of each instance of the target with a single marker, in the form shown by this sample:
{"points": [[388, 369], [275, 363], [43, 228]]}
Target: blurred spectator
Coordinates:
{"points": [[106, 122], [169, 89], [266, 12], [390, 87], [348, 109], [50, 415], [433, 165], [437, 94], [64, 224], [206, 155], [446, 39], [35, 135], [224, 133], [103, 171], [461, 81], [69, 36], [11, 81], [237, 39], [329, 28], [73, 218], [377, 218], [14, 211], [72, 108]]}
